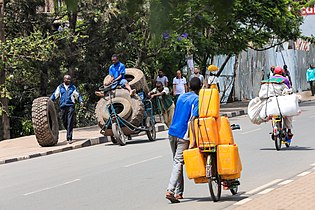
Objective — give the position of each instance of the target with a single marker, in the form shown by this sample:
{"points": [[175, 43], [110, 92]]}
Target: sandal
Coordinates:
{"points": [[170, 196], [290, 135], [179, 196]]}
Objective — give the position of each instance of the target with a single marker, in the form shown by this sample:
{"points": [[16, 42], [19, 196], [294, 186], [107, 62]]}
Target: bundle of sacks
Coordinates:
{"points": [[275, 98]]}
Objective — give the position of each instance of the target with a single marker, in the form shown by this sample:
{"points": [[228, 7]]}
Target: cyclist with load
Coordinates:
{"points": [[117, 72], [278, 74]]}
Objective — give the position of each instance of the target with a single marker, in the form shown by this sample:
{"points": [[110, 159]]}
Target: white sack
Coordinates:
{"points": [[287, 105], [270, 90], [254, 109]]}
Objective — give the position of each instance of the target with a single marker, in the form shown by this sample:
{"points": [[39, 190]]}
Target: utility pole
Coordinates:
{"points": [[5, 121]]}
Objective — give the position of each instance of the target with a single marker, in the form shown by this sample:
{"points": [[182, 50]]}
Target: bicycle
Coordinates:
{"points": [[119, 125], [279, 133], [215, 181]]}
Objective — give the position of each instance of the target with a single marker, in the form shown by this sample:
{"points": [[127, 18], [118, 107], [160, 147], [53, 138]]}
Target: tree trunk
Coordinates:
{"points": [[43, 80], [236, 64], [3, 99], [223, 65]]}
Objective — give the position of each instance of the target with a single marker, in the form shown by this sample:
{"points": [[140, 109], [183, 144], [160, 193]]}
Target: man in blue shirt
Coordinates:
{"points": [[185, 112], [67, 93], [117, 72]]}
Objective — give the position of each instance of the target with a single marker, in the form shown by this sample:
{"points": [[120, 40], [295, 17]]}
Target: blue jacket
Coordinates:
{"points": [[67, 97]]}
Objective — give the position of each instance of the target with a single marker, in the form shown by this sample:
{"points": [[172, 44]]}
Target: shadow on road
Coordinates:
{"points": [[292, 148], [138, 141], [228, 198]]}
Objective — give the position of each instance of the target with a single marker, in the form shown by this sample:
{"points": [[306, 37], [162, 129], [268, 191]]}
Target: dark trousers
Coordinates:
{"points": [[67, 117], [175, 99], [312, 83]]}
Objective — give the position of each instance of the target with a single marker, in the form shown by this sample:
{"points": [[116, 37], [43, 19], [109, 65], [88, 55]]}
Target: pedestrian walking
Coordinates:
{"points": [[310, 77], [67, 93], [197, 74], [185, 113], [117, 73], [162, 78], [179, 85], [163, 97]]}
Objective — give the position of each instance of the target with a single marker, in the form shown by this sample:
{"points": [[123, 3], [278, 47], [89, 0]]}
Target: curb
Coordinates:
{"points": [[235, 114], [86, 143], [98, 140]]}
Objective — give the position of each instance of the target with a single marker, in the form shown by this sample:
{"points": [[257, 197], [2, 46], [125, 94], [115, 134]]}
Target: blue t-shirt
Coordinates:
{"points": [[115, 70], [186, 107]]}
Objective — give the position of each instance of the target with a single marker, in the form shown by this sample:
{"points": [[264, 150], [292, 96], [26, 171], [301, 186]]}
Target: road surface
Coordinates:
{"points": [[136, 176]]}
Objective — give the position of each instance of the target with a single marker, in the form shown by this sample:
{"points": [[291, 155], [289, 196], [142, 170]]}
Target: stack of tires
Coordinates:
{"points": [[127, 107]]}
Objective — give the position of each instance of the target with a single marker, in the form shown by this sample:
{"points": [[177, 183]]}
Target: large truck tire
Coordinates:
{"points": [[45, 122], [135, 78], [121, 105], [137, 111]]}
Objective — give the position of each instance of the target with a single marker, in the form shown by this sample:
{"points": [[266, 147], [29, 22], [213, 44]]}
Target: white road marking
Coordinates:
{"points": [[313, 164], [266, 191], [143, 161], [242, 202], [49, 188], [258, 129], [312, 116], [285, 182], [304, 173], [314, 168], [264, 186]]}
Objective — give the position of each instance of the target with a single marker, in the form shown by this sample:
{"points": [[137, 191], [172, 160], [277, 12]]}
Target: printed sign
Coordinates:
{"points": [[308, 11], [303, 45]]}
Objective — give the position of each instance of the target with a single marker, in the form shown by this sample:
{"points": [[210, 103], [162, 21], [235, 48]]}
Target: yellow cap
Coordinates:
{"points": [[213, 68]]}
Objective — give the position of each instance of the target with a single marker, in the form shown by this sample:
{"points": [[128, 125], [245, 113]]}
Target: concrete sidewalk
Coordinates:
{"points": [[27, 147], [296, 195]]}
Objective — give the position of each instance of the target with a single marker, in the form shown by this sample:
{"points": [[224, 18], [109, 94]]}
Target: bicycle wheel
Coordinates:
{"points": [[277, 138], [151, 133], [118, 134], [214, 180], [113, 140], [234, 190]]}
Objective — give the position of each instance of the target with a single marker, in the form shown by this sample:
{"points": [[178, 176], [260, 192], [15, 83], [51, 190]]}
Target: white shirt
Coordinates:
{"points": [[179, 85], [213, 80], [66, 86]]}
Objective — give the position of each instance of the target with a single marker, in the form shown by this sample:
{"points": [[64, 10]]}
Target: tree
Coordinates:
{"points": [[258, 25], [5, 121]]}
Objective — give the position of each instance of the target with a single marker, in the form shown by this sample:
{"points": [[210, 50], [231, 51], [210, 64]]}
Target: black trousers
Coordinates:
{"points": [[67, 117], [312, 83], [175, 99]]}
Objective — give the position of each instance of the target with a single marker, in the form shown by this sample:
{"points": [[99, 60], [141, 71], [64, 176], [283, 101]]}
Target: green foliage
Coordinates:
{"points": [[148, 34]]}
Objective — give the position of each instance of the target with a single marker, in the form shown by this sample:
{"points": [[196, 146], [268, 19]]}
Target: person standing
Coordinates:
{"points": [[271, 72], [310, 77], [162, 94], [287, 74], [197, 74], [162, 78], [213, 81], [186, 112], [117, 73], [67, 93], [179, 85]]}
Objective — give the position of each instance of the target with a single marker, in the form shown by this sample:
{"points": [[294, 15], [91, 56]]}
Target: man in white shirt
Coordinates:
{"points": [[179, 85]]}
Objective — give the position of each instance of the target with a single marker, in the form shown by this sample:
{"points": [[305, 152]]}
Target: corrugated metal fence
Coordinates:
{"points": [[252, 66]]}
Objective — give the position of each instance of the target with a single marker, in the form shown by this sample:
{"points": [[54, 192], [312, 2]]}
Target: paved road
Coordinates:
{"points": [[135, 176]]}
